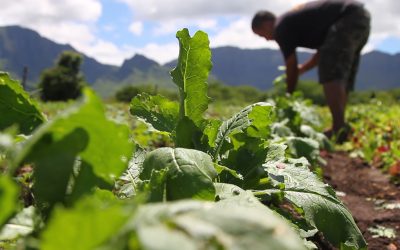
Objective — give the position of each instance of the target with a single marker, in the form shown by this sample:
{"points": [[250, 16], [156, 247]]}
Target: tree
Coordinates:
{"points": [[63, 81]]}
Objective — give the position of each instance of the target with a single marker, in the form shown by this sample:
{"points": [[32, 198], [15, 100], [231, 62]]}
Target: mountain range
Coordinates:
{"points": [[21, 47]]}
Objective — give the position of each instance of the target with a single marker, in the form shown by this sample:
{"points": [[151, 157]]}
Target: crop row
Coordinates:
{"points": [[82, 181]]}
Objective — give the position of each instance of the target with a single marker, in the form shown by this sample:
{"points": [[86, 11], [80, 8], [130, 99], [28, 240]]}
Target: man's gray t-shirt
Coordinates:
{"points": [[307, 25]]}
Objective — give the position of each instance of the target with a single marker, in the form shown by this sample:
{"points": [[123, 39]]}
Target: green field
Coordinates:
{"points": [[177, 174]]}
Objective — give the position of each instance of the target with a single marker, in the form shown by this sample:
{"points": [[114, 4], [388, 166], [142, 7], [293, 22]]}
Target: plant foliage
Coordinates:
{"points": [[16, 107], [221, 186]]}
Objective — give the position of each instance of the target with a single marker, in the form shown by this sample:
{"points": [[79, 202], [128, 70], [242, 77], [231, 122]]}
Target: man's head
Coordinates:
{"points": [[263, 24]]}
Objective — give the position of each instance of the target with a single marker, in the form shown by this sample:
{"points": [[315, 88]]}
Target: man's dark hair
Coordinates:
{"points": [[260, 17]]}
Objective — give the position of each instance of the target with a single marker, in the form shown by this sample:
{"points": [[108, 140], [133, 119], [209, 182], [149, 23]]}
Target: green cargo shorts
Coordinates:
{"points": [[340, 52]]}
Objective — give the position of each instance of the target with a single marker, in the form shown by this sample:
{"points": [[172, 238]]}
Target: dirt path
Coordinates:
{"points": [[371, 198]]}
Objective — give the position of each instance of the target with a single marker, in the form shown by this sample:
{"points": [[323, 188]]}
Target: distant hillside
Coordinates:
{"points": [[379, 71], [256, 67], [259, 67], [138, 70], [20, 47]]}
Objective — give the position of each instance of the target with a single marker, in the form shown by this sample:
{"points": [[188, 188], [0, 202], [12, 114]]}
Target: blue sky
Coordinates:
{"points": [[390, 45], [116, 20], [114, 30]]}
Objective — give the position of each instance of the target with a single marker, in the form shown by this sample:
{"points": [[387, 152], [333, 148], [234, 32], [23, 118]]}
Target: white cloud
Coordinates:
{"points": [[169, 27], [385, 21], [136, 28], [76, 34], [210, 24], [227, 22], [161, 53], [171, 9], [239, 34], [31, 13], [385, 16], [170, 13], [71, 22], [66, 22], [107, 52], [74, 22]]}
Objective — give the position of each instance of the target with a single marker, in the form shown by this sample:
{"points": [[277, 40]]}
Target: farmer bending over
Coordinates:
{"points": [[338, 30]]}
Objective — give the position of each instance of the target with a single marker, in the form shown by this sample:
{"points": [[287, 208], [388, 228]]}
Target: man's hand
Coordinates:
{"points": [[311, 63]]}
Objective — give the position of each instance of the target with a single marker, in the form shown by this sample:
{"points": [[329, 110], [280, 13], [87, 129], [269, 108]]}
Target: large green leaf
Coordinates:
{"points": [[88, 225], [276, 153], [229, 194], [83, 131], [211, 132], [16, 107], [156, 186], [190, 173], [298, 112], [8, 198], [237, 224], [279, 129], [306, 112], [261, 119], [54, 160], [130, 179], [160, 112], [247, 163], [323, 141], [303, 147], [191, 74], [250, 164], [188, 135], [255, 118], [322, 209]]}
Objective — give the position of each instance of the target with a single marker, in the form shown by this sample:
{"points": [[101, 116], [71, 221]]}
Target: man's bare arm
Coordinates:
{"points": [[311, 63], [292, 73]]}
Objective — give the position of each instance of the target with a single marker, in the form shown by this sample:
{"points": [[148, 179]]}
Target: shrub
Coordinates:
{"points": [[63, 81], [126, 93]]}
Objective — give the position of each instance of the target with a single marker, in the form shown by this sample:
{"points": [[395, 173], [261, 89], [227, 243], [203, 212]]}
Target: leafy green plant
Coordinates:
{"points": [[375, 135], [180, 173], [242, 146], [220, 186], [16, 107], [79, 132]]}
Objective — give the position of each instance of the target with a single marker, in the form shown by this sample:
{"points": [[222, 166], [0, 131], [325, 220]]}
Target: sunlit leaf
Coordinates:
{"points": [[16, 107]]}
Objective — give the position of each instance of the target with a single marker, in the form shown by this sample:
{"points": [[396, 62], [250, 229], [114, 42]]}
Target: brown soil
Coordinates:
{"points": [[364, 191]]}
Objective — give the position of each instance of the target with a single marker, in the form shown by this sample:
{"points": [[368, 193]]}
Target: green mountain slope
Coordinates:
{"points": [[21, 47]]}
